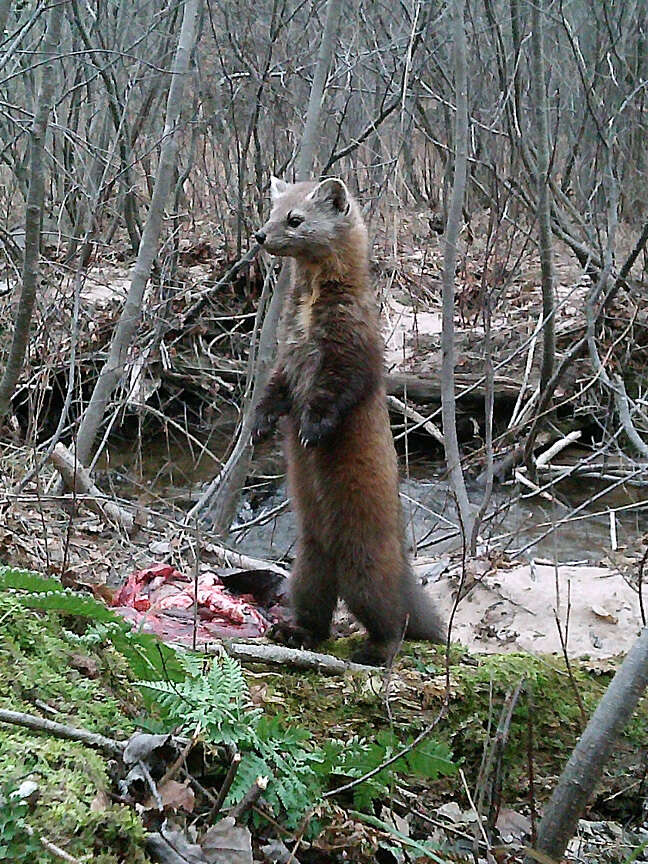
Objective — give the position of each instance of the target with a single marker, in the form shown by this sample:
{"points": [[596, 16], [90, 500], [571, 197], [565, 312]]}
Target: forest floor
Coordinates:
{"points": [[189, 365], [68, 666]]}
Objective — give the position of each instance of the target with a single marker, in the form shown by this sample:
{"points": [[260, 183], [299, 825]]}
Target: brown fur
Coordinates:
{"points": [[342, 468]]}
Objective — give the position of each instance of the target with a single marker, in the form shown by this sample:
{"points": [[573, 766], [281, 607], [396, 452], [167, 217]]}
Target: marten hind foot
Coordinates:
{"points": [[293, 636], [372, 653]]}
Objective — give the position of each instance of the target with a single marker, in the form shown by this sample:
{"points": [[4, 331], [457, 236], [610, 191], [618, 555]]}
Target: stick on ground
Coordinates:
{"points": [[109, 746]]}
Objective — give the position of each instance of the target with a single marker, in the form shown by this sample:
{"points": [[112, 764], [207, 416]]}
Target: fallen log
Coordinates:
{"points": [[76, 478], [428, 390], [280, 655]]}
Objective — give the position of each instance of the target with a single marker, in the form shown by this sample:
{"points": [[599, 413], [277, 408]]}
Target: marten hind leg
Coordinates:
{"points": [[314, 588], [376, 599], [313, 593]]}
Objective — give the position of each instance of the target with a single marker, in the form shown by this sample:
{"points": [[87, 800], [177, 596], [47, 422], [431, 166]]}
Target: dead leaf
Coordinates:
{"points": [[174, 796], [396, 821], [605, 614], [276, 852], [171, 847], [87, 666], [100, 802], [142, 745], [228, 843], [512, 826], [160, 547], [259, 694]]}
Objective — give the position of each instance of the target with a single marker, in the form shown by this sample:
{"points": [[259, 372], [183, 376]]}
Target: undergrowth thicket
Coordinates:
{"points": [[305, 733], [216, 696], [179, 691]]}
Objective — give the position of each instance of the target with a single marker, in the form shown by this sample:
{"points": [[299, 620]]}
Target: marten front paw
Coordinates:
{"points": [[315, 429], [264, 425]]}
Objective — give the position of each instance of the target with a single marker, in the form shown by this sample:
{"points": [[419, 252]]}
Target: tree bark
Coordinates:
{"points": [[5, 8], [306, 156], [219, 502], [589, 757], [544, 202], [448, 396], [126, 328], [33, 216]]}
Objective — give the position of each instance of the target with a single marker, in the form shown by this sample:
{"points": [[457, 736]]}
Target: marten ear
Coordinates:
{"points": [[331, 191], [277, 188]]}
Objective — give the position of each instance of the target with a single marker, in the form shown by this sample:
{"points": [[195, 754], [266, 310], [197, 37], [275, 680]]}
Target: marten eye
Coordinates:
{"points": [[293, 220]]}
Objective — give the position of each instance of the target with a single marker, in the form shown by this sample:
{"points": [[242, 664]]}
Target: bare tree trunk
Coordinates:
{"points": [[126, 328], [220, 499], [544, 203], [33, 215], [453, 457], [5, 8], [306, 156], [589, 757]]}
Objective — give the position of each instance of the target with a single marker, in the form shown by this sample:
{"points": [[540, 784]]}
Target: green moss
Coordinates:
{"points": [[83, 681], [479, 686], [43, 664]]}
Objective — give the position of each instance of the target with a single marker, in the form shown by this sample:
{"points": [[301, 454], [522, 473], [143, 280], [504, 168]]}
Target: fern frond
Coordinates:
{"points": [[26, 580], [250, 767]]}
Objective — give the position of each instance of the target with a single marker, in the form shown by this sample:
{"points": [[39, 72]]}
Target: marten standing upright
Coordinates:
{"points": [[342, 469]]}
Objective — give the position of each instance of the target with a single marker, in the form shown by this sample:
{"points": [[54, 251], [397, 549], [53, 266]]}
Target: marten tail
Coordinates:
{"points": [[425, 622]]}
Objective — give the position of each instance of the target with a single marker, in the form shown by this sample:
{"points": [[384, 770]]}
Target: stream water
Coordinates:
{"points": [[167, 469]]}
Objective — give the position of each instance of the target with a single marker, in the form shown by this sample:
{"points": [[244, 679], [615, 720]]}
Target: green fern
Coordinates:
{"points": [[18, 844], [216, 695], [148, 657], [219, 699], [192, 690]]}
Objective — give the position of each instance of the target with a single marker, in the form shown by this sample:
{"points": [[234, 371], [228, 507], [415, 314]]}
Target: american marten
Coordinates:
{"points": [[328, 383]]}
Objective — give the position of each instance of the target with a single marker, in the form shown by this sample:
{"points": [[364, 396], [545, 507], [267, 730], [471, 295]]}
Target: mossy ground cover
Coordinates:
{"points": [[546, 720], [46, 669]]}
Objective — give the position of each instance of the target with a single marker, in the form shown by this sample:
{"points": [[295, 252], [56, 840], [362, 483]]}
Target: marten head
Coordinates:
{"points": [[312, 221]]}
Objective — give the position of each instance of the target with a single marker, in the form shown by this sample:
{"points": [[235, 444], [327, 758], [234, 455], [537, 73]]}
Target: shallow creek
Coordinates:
{"points": [[167, 470]]}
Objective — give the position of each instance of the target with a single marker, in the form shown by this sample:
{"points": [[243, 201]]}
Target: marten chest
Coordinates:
{"points": [[302, 350], [317, 322]]}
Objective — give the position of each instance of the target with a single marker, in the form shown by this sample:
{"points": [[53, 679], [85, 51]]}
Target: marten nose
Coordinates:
{"points": [[261, 237]]}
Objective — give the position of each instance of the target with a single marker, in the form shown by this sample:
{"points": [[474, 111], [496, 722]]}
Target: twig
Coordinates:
{"points": [[52, 848], [175, 767], [532, 803], [61, 730], [77, 478], [151, 784], [280, 655], [261, 519], [640, 587], [254, 792], [277, 852], [563, 645], [524, 480], [501, 739], [249, 256], [229, 558], [226, 786], [478, 817], [450, 829], [544, 458], [527, 373], [402, 752], [412, 414]]}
